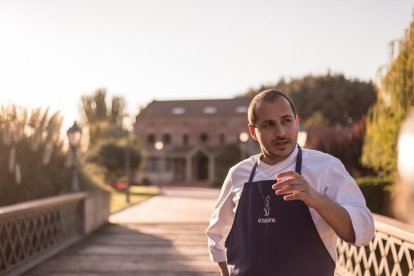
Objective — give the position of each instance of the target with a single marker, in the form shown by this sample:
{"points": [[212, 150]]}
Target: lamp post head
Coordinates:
{"points": [[159, 145], [243, 137], [74, 135]]}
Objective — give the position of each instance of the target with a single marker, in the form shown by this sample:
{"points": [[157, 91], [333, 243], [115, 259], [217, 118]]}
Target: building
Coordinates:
{"points": [[181, 139]]}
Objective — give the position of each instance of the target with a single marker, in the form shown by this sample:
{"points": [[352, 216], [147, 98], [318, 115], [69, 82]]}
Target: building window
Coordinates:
{"points": [[210, 110], [203, 137], [185, 139], [151, 139], [241, 109], [168, 165], [222, 139], [151, 165], [178, 110], [166, 138]]}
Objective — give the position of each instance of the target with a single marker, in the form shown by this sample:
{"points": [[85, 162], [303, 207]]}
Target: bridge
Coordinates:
{"points": [[70, 235]]}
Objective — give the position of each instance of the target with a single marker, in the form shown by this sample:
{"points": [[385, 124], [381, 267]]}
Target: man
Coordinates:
{"points": [[280, 212]]}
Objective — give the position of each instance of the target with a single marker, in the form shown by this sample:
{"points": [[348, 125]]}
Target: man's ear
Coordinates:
{"points": [[252, 131], [297, 120]]}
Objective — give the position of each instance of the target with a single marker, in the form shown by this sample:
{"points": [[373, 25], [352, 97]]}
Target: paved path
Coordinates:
{"points": [[175, 205], [161, 236]]}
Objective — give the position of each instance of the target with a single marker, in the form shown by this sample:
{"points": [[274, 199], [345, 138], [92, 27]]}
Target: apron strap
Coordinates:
{"points": [[298, 168], [253, 172]]}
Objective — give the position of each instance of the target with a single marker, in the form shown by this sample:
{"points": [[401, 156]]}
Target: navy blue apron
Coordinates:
{"points": [[270, 236]]}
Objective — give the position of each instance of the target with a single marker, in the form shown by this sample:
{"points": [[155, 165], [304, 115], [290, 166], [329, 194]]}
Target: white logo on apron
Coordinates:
{"points": [[266, 209], [267, 206]]}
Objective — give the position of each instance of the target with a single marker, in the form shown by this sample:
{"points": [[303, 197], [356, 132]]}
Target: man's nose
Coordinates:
{"points": [[278, 130]]}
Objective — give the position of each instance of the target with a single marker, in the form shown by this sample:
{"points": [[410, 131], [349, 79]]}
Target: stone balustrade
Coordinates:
{"points": [[31, 232]]}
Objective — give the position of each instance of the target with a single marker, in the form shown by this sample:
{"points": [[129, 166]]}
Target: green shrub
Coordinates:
{"points": [[92, 177], [110, 155], [377, 192], [146, 181]]}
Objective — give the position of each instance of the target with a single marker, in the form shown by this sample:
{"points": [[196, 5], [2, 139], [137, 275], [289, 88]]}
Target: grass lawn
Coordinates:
{"points": [[136, 195]]}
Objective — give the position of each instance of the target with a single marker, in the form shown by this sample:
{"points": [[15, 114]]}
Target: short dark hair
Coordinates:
{"points": [[269, 96]]}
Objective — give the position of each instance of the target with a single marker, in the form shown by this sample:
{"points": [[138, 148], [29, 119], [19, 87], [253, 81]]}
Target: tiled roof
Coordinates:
{"points": [[191, 108]]}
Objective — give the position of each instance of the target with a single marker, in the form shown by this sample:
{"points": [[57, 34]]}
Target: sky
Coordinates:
{"points": [[53, 51]]}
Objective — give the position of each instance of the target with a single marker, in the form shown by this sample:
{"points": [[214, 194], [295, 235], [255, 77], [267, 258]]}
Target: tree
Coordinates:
{"points": [[227, 157], [395, 100], [103, 120], [108, 139], [110, 154], [340, 101], [332, 108], [344, 143]]}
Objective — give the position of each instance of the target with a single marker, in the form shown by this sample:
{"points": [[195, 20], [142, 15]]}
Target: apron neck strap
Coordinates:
{"points": [[298, 167], [253, 172]]}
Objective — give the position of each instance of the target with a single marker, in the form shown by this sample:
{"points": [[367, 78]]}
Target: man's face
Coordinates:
{"points": [[276, 130]]}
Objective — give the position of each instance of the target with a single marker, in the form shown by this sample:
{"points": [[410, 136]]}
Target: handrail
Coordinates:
{"points": [[14, 209], [394, 228], [390, 253], [32, 231]]}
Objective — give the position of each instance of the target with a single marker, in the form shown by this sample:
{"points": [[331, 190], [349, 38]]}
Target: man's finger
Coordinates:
{"points": [[295, 196], [289, 190], [288, 174], [284, 184]]}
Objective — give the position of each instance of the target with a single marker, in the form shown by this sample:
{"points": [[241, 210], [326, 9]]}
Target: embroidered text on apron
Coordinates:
{"points": [[270, 236]]}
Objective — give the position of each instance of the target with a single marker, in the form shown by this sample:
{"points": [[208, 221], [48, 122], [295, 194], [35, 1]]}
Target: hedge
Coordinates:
{"points": [[377, 192]]}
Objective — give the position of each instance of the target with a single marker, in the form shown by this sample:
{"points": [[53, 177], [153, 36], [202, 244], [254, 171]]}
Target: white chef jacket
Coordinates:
{"points": [[325, 173]]}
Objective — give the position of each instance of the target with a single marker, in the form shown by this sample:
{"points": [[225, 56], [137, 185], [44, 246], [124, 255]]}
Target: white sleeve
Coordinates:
{"points": [[342, 188], [220, 222]]}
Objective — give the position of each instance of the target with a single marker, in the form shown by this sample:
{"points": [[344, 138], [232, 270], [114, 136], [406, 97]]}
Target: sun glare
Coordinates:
{"points": [[406, 157]]}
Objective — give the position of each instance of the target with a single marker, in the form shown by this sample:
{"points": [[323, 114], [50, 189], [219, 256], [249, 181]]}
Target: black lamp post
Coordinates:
{"points": [[159, 146], [127, 170], [128, 126], [74, 135]]}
